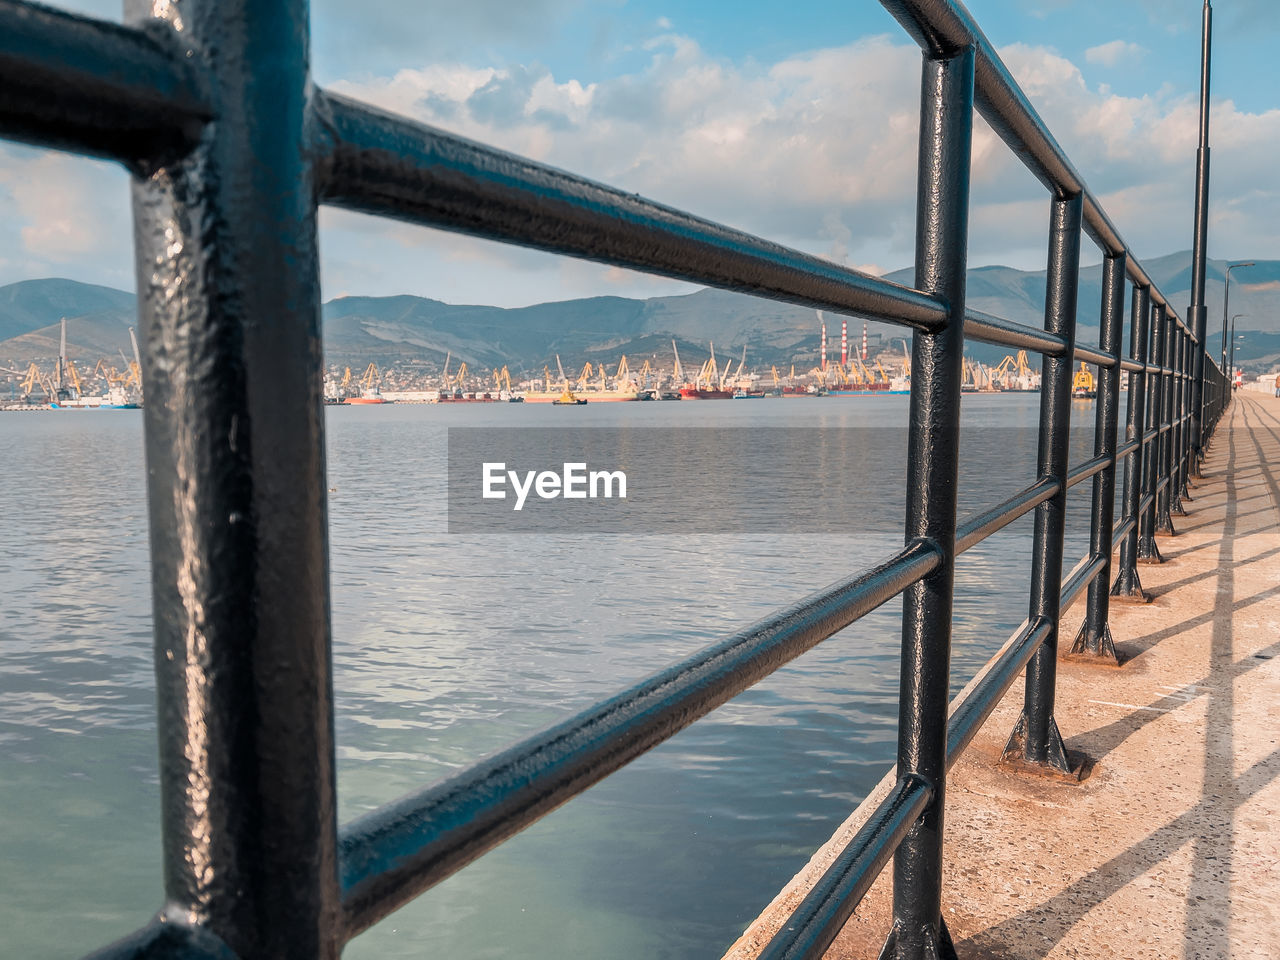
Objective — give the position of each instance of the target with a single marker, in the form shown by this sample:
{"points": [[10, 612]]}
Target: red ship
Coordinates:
{"points": [[699, 393]]}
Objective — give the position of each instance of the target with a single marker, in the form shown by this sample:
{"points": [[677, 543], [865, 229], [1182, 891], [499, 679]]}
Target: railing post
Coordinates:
{"points": [[933, 451], [1179, 422], [1035, 740], [1127, 585], [229, 308], [1148, 551], [1184, 433], [1094, 639], [1197, 318], [1164, 495]]}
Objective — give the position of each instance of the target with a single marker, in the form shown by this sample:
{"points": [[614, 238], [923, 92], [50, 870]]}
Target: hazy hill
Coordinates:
{"points": [[392, 329]]}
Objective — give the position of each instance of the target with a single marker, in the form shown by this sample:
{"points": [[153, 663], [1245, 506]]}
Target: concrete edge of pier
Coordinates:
{"points": [[1169, 847]]}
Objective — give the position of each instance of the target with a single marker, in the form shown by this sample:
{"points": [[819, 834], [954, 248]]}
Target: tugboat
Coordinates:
{"points": [[567, 399]]}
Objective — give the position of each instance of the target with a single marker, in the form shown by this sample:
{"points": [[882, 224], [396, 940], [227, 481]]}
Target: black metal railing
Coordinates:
{"points": [[211, 107]]}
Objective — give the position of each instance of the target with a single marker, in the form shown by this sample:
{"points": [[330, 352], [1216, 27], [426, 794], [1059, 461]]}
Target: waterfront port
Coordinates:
{"points": [[58, 383]]}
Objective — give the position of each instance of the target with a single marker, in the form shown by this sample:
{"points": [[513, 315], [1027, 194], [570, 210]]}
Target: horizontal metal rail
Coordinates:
{"points": [[379, 163], [1096, 357], [977, 528], [1087, 469], [991, 329], [183, 105], [394, 853], [1123, 527], [824, 911], [1081, 577], [95, 87]]}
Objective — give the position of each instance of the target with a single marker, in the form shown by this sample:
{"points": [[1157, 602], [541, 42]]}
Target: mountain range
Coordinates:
{"points": [[417, 331]]}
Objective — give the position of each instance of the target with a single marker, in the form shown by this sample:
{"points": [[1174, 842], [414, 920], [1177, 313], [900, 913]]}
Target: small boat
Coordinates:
{"points": [[567, 399]]}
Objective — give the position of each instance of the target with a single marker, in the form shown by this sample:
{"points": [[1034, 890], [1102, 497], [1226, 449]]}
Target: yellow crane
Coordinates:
{"points": [[1083, 383], [371, 377], [35, 378], [73, 375], [461, 376]]}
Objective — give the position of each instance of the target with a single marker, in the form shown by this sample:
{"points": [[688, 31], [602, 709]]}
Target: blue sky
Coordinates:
{"points": [[794, 121]]}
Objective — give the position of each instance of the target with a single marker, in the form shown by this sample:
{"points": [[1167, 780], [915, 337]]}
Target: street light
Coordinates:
{"points": [[1231, 364], [1226, 296]]}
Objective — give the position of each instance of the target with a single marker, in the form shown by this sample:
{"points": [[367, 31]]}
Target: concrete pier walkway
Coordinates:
{"points": [[1170, 848]]}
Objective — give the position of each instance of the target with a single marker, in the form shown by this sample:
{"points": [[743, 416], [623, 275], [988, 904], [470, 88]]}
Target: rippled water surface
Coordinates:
{"points": [[449, 647]]}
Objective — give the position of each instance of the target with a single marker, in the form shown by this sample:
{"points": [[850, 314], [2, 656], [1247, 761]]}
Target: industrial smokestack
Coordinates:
{"points": [[844, 343], [864, 342], [824, 339]]}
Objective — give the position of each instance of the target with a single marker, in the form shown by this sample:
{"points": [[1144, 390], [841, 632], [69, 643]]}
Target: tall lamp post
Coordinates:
{"points": [[1230, 362], [1226, 297]]}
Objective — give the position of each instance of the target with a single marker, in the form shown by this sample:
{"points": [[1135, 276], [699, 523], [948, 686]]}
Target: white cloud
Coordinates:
{"points": [[812, 149], [67, 216], [1110, 54], [817, 150]]}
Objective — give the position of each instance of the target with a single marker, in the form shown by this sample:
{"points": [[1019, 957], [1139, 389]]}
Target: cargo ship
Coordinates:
{"points": [[880, 387], [708, 384], [370, 387], [458, 396], [690, 392]]}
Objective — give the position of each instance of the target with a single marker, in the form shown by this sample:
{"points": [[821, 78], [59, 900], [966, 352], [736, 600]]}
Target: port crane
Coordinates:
{"points": [[34, 378], [623, 373], [1083, 383], [1014, 373], [371, 378]]}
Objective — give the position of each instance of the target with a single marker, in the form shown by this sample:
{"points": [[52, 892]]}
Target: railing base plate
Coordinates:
{"points": [[940, 949], [1148, 552], [1058, 763], [1128, 588], [1099, 650]]}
